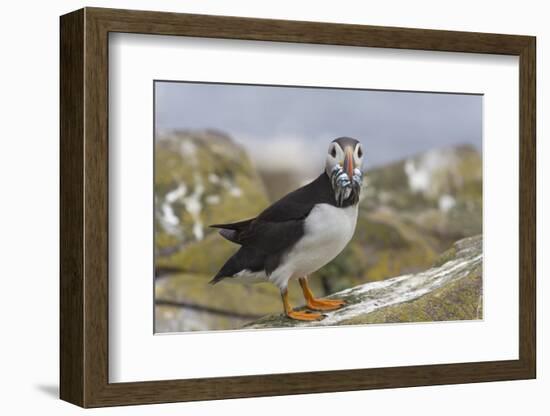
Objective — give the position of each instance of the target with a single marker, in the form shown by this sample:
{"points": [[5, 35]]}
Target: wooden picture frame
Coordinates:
{"points": [[84, 207]]}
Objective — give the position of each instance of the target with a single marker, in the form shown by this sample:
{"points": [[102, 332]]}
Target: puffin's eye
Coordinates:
{"points": [[333, 151], [360, 152]]}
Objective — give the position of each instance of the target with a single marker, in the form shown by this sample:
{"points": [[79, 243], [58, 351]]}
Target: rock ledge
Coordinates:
{"points": [[450, 290]]}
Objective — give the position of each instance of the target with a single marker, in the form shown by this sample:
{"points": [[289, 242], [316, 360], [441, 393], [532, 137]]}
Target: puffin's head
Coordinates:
{"points": [[343, 167]]}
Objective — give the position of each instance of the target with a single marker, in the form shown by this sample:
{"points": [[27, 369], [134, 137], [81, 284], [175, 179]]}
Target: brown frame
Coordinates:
{"points": [[84, 210]]}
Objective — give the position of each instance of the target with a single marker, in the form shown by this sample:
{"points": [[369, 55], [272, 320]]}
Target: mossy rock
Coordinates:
{"points": [[439, 190], [460, 300], [201, 178]]}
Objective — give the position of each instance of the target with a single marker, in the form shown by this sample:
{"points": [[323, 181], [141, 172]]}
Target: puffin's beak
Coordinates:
{"points": [[348, 162]]}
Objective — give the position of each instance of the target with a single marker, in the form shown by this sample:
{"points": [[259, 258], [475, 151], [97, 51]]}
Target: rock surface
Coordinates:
{"points": [[451, 290]]}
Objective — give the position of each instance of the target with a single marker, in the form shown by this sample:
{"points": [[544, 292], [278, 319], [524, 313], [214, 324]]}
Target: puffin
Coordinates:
{"points": [[301, 232]]}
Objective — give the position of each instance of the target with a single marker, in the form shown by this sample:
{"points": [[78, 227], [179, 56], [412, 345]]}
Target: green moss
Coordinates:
{"points": [[378, 234], [448, 255], [163, 239], [204, 257]]}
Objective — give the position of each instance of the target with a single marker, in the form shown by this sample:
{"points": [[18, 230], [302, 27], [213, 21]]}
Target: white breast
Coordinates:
{"points": [[328, 230]]}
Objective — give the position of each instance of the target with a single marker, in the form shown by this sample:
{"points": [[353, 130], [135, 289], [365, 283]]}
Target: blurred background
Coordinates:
{"points": [[224, 152]]}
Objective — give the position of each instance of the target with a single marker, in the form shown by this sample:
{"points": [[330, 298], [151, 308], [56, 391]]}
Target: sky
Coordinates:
{"points": [[281, 124]]}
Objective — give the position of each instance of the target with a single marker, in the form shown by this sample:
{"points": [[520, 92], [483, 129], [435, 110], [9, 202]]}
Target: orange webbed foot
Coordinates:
{"points": [[325, 304], [305, 316]]}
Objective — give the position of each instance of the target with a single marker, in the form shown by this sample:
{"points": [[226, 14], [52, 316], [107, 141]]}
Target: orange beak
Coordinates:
{"points": [[348, 163]]}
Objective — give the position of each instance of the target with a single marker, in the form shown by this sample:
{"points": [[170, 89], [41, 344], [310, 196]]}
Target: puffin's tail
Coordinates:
{"points": [[228, 269], [230, 231], [225, 271], [216, 279], [246, 258]]}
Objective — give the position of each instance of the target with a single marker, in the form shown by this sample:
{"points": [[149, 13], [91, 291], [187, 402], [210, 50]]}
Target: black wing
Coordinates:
{"points": [[279, 226], [272, 231]]}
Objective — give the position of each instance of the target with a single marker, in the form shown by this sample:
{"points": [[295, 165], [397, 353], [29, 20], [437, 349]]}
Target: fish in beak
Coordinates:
{"points": [[343, 167]]}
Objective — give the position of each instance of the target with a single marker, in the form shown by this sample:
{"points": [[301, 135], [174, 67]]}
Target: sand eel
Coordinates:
{"points": [[301, 232]]}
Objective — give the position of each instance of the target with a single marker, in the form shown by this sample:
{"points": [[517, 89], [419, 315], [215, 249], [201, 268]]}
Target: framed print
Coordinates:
{"points": [[255, 207]]}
